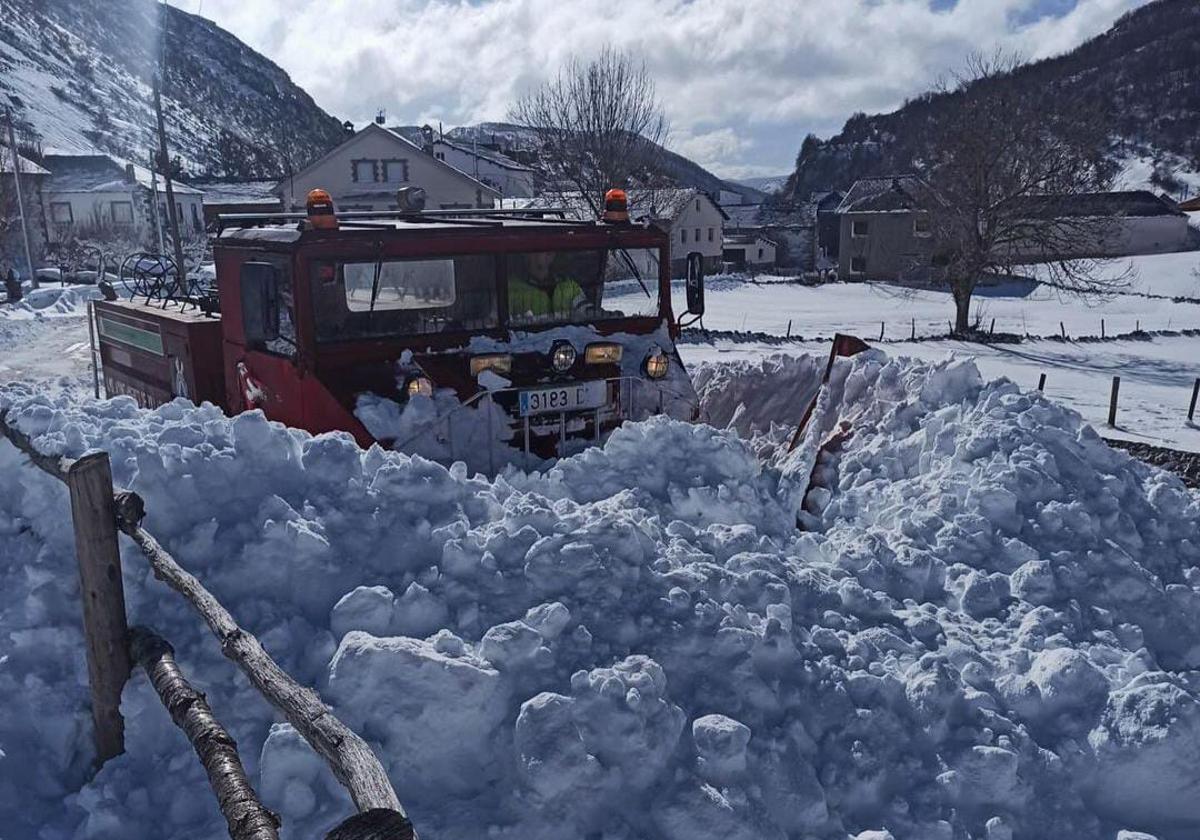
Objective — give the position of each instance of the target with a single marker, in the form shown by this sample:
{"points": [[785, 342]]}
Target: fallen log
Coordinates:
{"points": [[244, 814]]}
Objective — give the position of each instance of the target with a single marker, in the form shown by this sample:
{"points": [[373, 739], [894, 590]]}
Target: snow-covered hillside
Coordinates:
{"points": [[78, 73], [989, 629]]}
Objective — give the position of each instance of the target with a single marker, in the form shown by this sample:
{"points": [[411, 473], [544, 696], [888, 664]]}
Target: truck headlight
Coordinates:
{"points": [[563, 356], [499, 362], [657, 363], [603, 353], [419, 386]]}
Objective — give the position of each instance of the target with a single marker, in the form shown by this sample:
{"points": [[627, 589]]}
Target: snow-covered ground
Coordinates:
{"points": [[44, 338], [1018, 307], [988, 630]]}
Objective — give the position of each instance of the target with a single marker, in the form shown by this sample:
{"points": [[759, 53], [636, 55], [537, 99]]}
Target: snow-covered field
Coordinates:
{"points": [[1017, 307], [989, 630]]}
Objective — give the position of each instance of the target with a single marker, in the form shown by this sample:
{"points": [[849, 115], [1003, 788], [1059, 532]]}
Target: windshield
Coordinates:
{"points": [[370, 299]]}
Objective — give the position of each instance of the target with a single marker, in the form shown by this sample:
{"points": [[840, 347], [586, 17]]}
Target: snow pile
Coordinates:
{"points": [[50, 301], [990, 631]]}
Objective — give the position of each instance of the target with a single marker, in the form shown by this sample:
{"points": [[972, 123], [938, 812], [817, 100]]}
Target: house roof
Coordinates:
{"points": [[747, 239], [1134, 203], [742, 215], [890, 194], [409, 146], [1191, 205], [484, 154], [28, 167], [239, 192], [100, 173]]}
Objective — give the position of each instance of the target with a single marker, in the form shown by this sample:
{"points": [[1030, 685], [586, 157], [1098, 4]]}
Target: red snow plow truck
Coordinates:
{"points": [[458, 326]]}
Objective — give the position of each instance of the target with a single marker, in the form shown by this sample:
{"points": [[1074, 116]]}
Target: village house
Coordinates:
{"points": [[365, 171], [98, 194], [224, 197], [886, 232], [748, 252], [694, 221], [12, 245]]}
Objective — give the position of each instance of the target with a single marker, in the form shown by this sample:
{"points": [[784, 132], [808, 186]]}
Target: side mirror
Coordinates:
{"points": [[695, 284], [260, 302]]}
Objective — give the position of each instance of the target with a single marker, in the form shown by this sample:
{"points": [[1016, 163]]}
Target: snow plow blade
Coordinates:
{"points": [[800, 478]]}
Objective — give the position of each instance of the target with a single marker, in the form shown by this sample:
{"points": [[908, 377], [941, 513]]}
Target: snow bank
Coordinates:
{"points": [[990, 631], [50, 301]]}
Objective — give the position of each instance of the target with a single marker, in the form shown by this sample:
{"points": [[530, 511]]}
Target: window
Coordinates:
{"points": [[121, 212], [61, 213], [697, 209], [760, 253], [858, 228], [683, 235], [440, 155], [196, 223], [710, 234], [858, 265], [579, 287], [363, 171], [395, 171], [921, 226], [697, 234], [404, 297]]}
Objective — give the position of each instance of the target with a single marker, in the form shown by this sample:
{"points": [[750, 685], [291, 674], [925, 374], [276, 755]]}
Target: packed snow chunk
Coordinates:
{"points": [[1147, 749], [720, 747], [396, 689], [626, 719]]}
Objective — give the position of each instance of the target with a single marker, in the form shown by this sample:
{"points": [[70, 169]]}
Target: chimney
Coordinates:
{"points": [[380, 117], [427, 139], [129, 175]]}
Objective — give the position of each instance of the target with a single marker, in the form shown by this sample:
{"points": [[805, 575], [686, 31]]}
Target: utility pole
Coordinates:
{"points": [[158, 228], [16, 158], [181, 269]]}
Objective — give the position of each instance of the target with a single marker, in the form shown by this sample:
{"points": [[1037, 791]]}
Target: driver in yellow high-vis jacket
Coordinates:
{"points": [[541, 295]]}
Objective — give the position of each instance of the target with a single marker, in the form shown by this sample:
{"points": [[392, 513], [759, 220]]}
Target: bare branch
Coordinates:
{"points": [[598, 124]]}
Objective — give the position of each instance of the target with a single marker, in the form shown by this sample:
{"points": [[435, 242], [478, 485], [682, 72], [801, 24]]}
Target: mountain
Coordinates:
{"points": [[1146, 67], [766, 183], [513, 139], [77, 74]]}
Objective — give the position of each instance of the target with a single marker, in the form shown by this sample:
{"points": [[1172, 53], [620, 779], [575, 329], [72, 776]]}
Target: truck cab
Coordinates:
{"points": [[444, 333]]}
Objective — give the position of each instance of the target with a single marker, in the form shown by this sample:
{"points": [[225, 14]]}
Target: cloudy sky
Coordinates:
{"points": [[742, 81]]}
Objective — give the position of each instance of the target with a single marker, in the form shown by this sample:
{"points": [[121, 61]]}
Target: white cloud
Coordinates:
{"points": [[742, 80]]}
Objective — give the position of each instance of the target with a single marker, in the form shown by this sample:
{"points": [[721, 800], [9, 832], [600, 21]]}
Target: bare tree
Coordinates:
{"points": [[598, 125], [1007, 168]]}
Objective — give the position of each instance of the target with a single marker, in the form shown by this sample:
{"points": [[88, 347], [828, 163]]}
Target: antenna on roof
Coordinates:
{"points": [[381, 117]]}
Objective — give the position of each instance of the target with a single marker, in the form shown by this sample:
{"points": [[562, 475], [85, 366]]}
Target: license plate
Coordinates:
{"points": [[564, 398]]}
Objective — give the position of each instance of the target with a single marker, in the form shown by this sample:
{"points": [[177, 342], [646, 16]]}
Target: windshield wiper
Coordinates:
{"points": [[637, 275], [375, 284]]}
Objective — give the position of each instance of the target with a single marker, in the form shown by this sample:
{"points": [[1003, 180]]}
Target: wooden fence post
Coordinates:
{"points": [[1112, 401], [1062, 328], [1195, 393], [89, 480], [789, 330], [914, 329], [881, 330], [1102, 335], [1042, 382]]}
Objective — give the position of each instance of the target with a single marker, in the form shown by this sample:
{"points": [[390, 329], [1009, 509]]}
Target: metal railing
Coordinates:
{"points": [[623, 407]]}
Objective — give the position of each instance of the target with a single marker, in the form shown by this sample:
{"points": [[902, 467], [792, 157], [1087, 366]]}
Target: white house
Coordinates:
{"points": [[492, 168], [748, 251], [365, 171], [694, 221], [87, 193]]}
